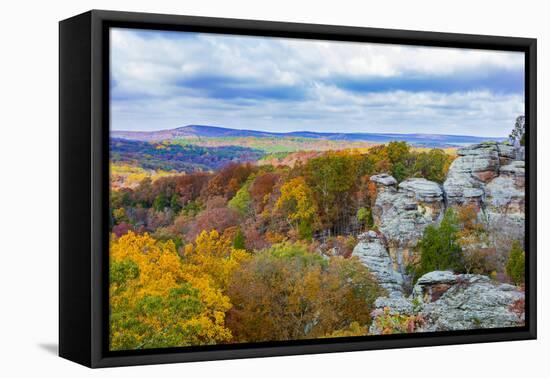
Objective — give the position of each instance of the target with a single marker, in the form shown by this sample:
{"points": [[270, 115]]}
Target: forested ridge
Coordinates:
{"points": [[178, 157]]}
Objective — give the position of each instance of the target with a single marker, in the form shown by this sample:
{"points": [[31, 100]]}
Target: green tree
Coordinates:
{"points": [[398, 152], [432, 165], [399, 171], [192, 208], [515, 267], [119, 215], [175, 204], [161, 202], [364, 217], [241, 201], [439, 247], [400, 157], [240, 241], [333, 178]]}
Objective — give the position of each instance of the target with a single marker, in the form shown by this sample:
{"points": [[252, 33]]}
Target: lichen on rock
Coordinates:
{"points": [[449, 302]]}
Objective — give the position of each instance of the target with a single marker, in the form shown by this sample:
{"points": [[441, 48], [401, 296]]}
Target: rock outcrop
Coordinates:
{"points": [[402, 212], [490, 176], [373, 254], [504, 205], [446, 301], [384, 179], [477, 166], [468, 173]]}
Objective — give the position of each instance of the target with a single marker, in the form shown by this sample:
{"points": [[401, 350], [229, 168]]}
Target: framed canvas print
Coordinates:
{"points": [[234, 188]]}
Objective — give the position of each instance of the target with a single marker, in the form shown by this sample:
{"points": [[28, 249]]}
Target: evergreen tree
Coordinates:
{"points": [[175, 204], [239, 242], [515, 267], [439, 248], [364, 217], [160, 202]]}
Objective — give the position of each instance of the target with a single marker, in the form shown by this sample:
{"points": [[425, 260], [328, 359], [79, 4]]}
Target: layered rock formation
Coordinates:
{"points": [[476, 167], [402, 212], [446, 301], [504, 205], [492, 177], [374, 255]]}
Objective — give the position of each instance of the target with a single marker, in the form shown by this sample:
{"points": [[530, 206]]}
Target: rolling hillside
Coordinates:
{"points": [[200, 131]]}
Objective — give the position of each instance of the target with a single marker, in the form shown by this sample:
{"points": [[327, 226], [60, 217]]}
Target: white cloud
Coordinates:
{"points": [[150, 72], [472, 113], [274, 58]]}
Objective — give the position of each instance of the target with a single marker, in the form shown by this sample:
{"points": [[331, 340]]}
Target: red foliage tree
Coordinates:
{"points": [[261, 189], [228, 180], [189, 187], [212, 219]]}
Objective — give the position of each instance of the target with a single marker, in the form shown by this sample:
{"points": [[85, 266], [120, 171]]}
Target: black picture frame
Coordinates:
{"points": [[84, 191]]}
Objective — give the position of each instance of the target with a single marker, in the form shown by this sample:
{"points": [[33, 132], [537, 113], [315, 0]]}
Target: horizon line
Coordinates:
{"points": [[306, 131]]}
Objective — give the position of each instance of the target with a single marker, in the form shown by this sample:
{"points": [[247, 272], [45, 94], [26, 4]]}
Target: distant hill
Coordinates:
{"points": [[178, 158], [201, 131]]}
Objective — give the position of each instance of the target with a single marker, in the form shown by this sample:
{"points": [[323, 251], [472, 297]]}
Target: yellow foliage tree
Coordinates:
{"points": [[354, 329], [155, 301], [213, 255], [297, 205]]}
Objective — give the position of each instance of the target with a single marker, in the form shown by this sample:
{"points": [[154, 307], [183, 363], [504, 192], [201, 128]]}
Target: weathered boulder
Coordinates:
{"points": [[507, 153], [468, 301], [373, 254], [384, 179], [446, 301], [423, 190], [506, 193], [402, 212]]}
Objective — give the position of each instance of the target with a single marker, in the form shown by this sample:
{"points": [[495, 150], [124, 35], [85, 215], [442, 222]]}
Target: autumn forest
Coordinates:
{"points": [[267, 189], [248, 252]]}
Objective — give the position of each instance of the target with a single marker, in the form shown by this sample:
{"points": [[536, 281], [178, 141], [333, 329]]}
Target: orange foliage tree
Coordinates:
{"points": [[288, 293]]}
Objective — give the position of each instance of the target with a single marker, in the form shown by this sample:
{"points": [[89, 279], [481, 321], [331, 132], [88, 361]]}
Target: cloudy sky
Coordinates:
{"points": [[162, 80]]}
